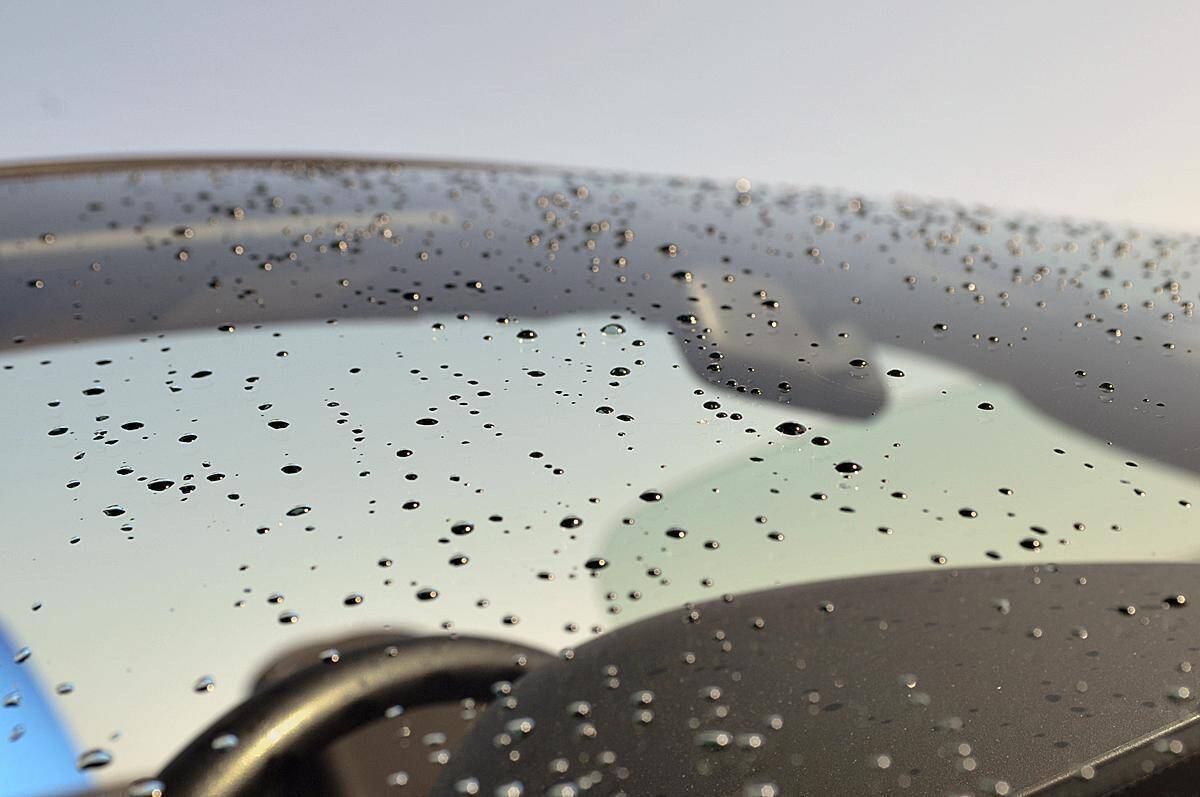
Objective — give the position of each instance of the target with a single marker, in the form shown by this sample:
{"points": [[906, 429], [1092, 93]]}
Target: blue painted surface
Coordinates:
{"points": [[37, 754]]}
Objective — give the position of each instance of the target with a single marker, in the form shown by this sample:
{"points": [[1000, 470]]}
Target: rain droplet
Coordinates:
{"points": [[226, 741], [147, 787], [93, 759]]}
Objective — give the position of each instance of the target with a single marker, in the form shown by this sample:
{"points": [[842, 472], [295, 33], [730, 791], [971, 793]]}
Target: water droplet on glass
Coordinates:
{"points": [[147, 787], [226, 741], [93, 759]]}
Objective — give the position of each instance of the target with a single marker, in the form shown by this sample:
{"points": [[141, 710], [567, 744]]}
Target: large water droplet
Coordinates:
{"points": [[93, 759]]}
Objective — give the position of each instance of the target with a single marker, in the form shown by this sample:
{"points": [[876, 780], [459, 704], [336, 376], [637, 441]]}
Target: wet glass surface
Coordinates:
{"points": [[252, 406]]}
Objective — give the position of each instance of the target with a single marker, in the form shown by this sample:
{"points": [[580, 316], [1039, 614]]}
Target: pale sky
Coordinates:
{"points": [[1086, 108]]}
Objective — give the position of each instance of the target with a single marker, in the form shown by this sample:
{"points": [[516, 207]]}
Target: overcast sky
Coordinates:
{"points": [[1084, 108]]}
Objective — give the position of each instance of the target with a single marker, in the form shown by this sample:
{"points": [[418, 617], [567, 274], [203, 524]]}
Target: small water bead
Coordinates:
{"points": [[146, 787], [225, 741], [651, 496], [353, 599], [526, 334], [462, 528], [205, 683], [766, 789], [749, 741], [642, 697], [612, 330], [791, 428], [517, 728], [289, 617], [93, 759], [467, 786], [22, 655], [427, 594], [714, 740], [847, 467]]}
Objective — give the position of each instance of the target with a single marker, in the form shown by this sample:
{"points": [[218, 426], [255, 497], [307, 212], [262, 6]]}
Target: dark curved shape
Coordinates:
{"points": [[781, 303], [1032, 681], [306, 711]]}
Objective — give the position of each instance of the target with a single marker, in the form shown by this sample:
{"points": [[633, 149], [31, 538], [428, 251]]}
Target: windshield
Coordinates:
{"points": [[253, 406]]}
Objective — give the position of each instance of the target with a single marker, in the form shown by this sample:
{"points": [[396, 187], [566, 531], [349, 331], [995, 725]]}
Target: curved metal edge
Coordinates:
{"points": [[306, 711], [1125, 767]]}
